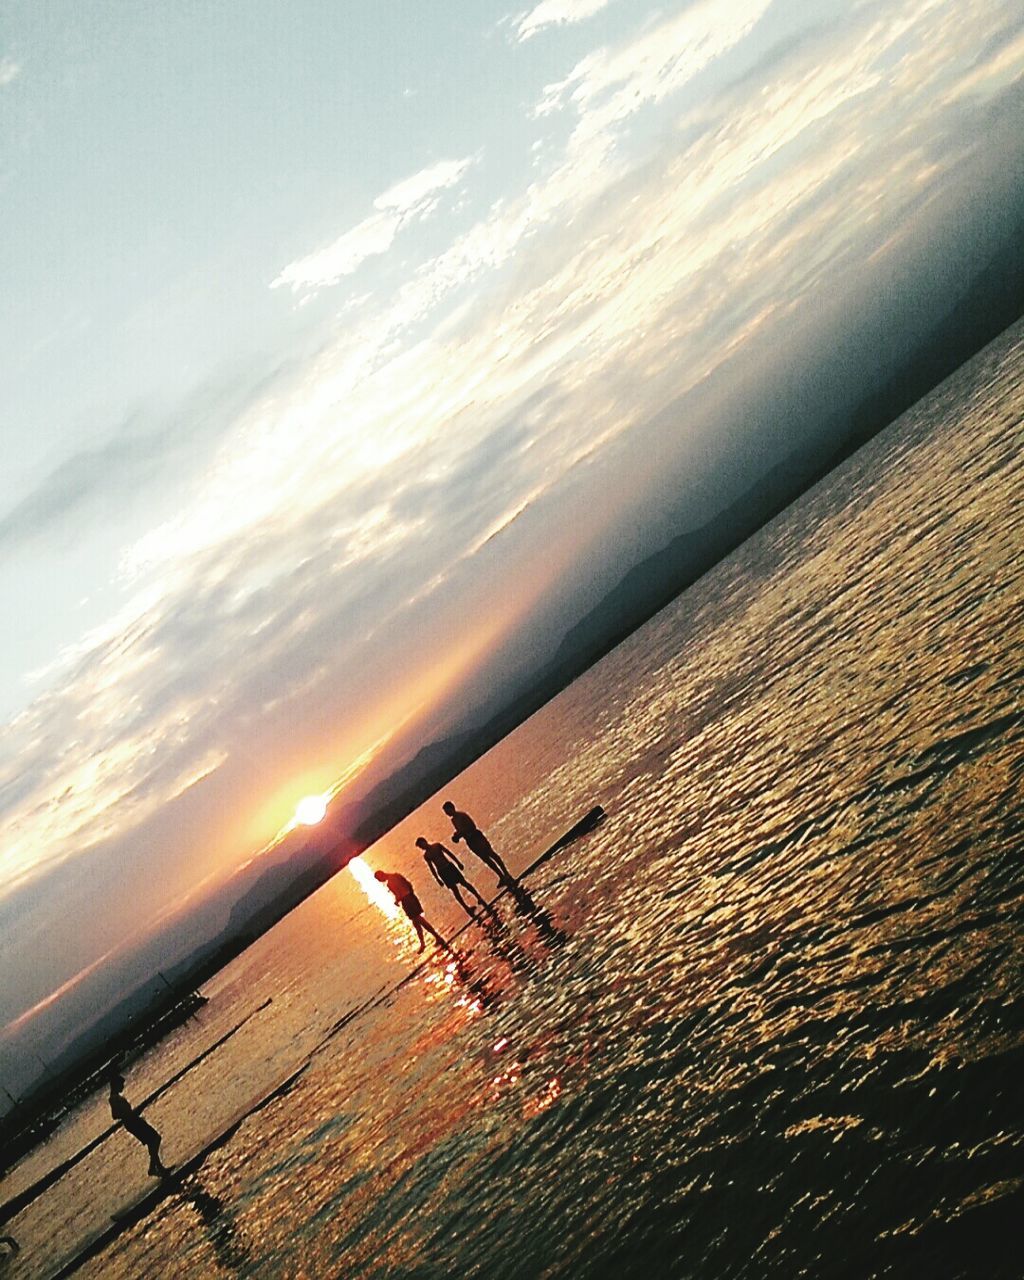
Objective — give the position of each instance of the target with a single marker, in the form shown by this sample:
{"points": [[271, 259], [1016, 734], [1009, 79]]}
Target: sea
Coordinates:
{"points": [[764, 1020]]}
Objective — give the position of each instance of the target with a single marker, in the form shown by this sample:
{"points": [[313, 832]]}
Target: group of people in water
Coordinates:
{"points": [[448, 872]]}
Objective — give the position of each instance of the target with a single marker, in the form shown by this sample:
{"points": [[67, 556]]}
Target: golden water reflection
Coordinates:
{"points": [[374, 890]]}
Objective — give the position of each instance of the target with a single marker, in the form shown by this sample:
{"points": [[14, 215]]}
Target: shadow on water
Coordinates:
{"points": [[543, 921], [485, 986], [230, 1246], [505, 946], [483, 991]]}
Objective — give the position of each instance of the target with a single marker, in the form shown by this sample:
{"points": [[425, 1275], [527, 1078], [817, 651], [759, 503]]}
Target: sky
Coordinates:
{"points": [[349, 348]]}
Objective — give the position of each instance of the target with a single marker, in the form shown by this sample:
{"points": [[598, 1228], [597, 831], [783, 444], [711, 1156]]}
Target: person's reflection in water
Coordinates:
{"points": [[505, 946], [233, 1252], [527, 907], [476, 984]]}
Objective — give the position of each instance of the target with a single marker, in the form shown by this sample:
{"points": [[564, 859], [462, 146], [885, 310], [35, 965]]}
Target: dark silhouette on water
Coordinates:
{"points": [[527, 907], [231, 1248], [504, 946], [405, 895], [591, 819], [476, 982], [121, 1109], [465, 829], [447, 870]]}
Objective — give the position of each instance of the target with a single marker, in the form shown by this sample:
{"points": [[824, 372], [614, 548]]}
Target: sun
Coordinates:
{"points": [[310, 810]]}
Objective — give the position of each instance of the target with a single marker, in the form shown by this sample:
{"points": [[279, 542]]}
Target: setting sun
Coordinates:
{"points": [[310, 810]]}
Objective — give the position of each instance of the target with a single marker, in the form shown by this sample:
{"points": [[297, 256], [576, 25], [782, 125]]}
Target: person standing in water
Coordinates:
{"points": [[447, 871], [121, 1109], [466, 829], [405, 895]]}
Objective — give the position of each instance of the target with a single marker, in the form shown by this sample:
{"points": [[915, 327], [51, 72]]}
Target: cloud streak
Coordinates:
{"points": [[412, 200], [556, 13]]}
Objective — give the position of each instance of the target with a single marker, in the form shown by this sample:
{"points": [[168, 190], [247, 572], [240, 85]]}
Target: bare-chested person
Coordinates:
{"points": [[465, 829], [121, 1109], [405, 895], [447, 870]]}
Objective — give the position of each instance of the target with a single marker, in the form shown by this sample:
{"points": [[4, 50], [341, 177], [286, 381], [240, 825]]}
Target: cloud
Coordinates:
{"points": [[610, 85], [551, 13], [1000, 68], [606, 90], [123, 470], [9, 71], [143, 705], [408, 201], [85, 481]]}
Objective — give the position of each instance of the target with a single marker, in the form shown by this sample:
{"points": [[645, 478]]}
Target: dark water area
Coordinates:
{"points": [[767, 1019]]}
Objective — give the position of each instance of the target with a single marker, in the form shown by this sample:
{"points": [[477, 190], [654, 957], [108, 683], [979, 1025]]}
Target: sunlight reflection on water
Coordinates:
{"points": [[375, 892], [766, 1020]]}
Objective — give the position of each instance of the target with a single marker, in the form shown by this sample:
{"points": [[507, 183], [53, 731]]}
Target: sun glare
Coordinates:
{"points": [[310, 810], [373, 889]]}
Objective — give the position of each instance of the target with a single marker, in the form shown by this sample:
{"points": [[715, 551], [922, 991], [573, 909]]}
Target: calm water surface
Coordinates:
{"points": [[768, 1020]]}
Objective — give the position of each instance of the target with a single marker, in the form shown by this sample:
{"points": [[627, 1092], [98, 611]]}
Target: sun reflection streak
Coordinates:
{"points": [[374, 890], [448, 981]]}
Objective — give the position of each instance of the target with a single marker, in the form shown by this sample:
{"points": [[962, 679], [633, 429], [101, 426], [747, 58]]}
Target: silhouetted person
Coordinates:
{"points": [[465, 829], [121, 1109], [405, 895], [447, 871]]}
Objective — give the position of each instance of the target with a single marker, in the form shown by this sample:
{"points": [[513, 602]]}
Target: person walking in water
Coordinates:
{"points": [[466, 829], [405, 895], [447, 871], [121, 1109]]}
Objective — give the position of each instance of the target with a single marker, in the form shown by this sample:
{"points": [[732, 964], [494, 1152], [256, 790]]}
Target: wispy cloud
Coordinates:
{"points": [[408, 201], [114, 471], [117, 471], [10, 70], [605, 90], [555, 13], [610, 85]]}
